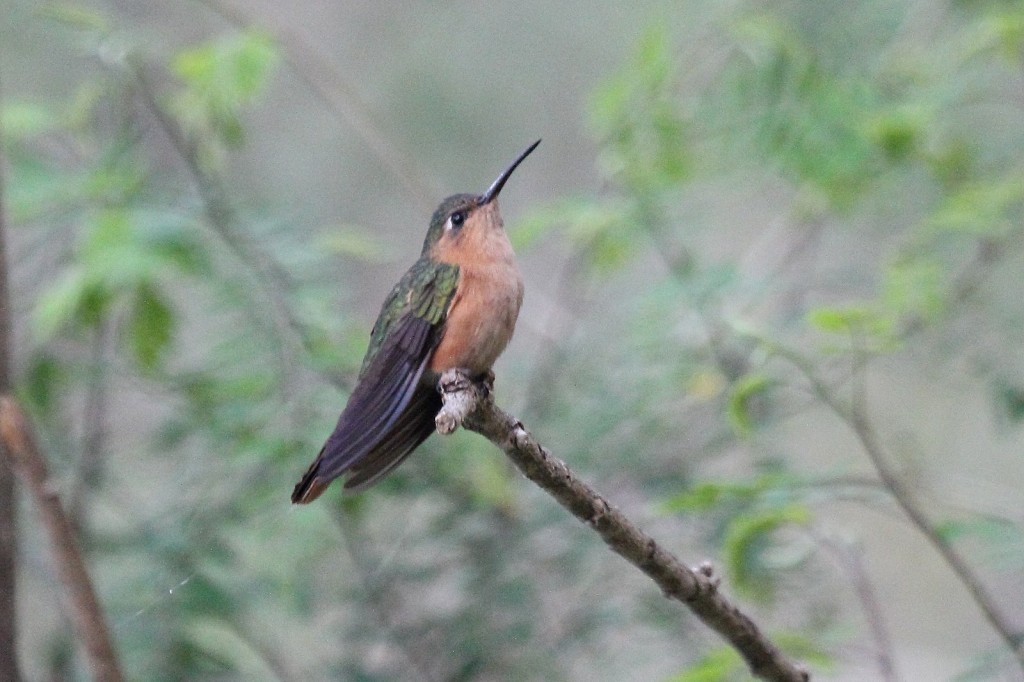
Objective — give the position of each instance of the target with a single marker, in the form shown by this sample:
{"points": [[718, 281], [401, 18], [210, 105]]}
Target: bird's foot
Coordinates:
{"points": [[453, 381], [460, 392]]}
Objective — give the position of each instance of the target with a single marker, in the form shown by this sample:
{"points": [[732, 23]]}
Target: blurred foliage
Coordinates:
{"points": [[191, 352], [725, 663], [220, 79]]}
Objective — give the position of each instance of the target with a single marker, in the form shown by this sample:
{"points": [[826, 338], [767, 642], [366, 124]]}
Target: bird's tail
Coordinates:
{"points": [[311, 485]]}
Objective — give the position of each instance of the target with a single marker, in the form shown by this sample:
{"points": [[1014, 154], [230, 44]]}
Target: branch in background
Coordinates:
{"points": [[862, 428], [328, 83], [91, 458], [84, 609], [9, 670], [470, 405], [850, 560], [268, 277], [856, 417]]}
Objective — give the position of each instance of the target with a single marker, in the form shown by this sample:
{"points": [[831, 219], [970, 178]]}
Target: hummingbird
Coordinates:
{"points": [[456, 307]]}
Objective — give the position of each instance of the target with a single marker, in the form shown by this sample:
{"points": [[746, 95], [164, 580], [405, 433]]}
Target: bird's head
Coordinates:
{"points": [[463, 218]]}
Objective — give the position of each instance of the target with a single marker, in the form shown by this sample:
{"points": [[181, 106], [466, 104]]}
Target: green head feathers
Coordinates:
{"points": [[453, 204], [467, 202]]}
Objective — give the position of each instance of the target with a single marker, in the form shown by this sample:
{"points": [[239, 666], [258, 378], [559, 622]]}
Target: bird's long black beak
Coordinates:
{"points": [[492, 191]]}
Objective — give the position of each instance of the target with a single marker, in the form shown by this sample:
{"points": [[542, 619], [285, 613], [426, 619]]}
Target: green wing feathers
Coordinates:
{"points": [[425, 291], [389, 412]]}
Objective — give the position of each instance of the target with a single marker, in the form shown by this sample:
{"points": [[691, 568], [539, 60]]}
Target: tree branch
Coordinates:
{"points": [[328, 83], [84, 608], [856, 417], [470, 405], [849, 557], [860, 423]]}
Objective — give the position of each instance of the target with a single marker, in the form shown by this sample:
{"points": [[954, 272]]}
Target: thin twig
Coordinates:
{"points": [[860, 422], [268, 276], [856, 417], [851, 560], [327, 82], [84, 608], [470, 405], [89, 469]]}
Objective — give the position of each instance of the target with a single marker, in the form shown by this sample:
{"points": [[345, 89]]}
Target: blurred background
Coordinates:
{"points": [[773, 266]]}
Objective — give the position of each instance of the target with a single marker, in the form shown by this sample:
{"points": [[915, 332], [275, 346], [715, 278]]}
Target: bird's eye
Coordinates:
{"points": [[457, 219]]}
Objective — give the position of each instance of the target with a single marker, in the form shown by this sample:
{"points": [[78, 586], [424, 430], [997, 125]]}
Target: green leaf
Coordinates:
{"points": [[720, 664], [914, 286], [182, 251], [43, 381], [111, 252], [987, 529], [744, 395], [982, 209], [125, 248], [748, 538], [725, 663], [898, 132], [799, 114], [58, 304], [220, 78], [73, 298], [1009, 31], [707, 495], [36, 187], [801, 648], [234, 68], [150, 326], [865, 322], [636, 117], [999, 32], [21, 120], [606, 230], [114, 185], [703, 496], [998, 542], [1010, 398], [583, 218], [223, 647], [609, 250], [173, 240]]}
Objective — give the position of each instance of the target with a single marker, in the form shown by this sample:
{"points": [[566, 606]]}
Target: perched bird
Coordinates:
{"points": [[456, 307]]}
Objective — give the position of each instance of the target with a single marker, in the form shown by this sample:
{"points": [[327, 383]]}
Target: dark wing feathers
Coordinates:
{"points": [[376, 403], [389, 413], [412, 428]]}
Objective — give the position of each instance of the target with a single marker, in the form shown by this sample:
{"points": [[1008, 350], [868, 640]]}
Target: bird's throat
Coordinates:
{"points": [[483, 313]]}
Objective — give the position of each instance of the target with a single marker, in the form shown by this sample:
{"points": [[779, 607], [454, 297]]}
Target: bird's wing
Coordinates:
{"points": [[384, 418], [414, 426]]}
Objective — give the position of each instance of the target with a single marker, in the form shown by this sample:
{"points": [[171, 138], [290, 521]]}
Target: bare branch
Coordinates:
{"points": [[850, 559], [84, 608], [856, 417], [91, 459], [470, 405], [329, 84], [860, 423]]}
